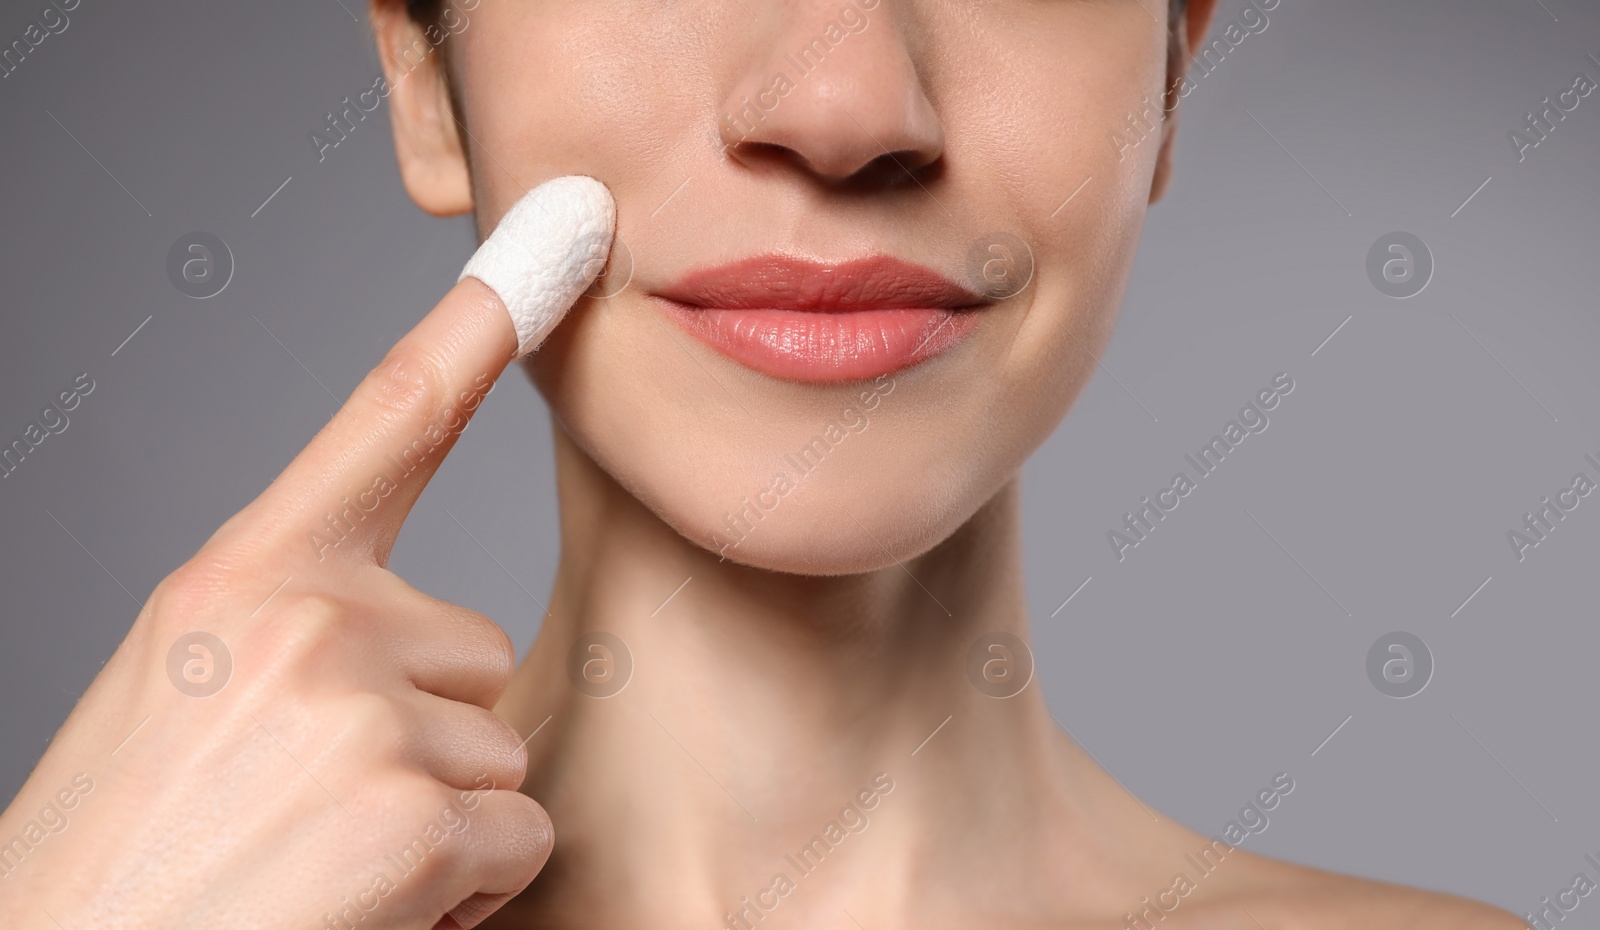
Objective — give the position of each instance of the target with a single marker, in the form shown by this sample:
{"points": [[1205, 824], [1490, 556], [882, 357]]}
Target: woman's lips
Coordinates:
{"points": [[807, 321]]}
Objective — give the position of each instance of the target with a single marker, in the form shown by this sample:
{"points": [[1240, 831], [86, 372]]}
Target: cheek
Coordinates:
{"points": [[551, 89], [1044, 131]]}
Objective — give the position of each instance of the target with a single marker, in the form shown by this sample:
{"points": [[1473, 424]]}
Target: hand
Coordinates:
{"points": [[349, 771]]}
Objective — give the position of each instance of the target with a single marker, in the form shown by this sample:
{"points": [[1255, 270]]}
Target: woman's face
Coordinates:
{"points": [[796, 412]]}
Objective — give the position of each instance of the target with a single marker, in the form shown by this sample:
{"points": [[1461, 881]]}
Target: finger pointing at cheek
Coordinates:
{"points": [[382, 691], [365, 469]]}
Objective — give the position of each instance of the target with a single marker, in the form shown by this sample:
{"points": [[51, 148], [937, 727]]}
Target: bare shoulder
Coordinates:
{"points": [[1275, 895]]}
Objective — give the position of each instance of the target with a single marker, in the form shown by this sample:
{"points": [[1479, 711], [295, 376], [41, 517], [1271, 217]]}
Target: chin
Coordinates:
{"points": [[838, 524]]}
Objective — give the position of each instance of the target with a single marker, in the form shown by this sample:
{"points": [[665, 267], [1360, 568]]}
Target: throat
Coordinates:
{"points": [[723, 747]]}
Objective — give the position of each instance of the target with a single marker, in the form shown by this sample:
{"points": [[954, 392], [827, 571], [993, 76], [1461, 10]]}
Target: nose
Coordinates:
{"points": [[834, 92]]}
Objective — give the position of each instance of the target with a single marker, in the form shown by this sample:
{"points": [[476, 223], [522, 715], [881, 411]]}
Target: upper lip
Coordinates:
{"points": [[779, 282]]}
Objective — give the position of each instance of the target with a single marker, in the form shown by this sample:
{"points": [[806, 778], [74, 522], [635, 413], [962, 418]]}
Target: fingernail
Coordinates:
{"points": [[547, 250]]}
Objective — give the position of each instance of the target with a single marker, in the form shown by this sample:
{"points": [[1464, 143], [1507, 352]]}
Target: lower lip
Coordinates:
{"points": [[801, 345]]}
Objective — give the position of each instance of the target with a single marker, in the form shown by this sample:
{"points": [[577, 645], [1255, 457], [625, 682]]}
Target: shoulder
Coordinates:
{"points": [[1281, 896]]}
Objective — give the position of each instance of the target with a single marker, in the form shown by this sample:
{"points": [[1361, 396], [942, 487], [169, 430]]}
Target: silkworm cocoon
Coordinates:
{"points": [[547, 250]]}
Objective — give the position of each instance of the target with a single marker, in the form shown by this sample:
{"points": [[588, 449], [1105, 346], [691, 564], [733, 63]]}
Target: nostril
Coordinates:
{"points": [[757, 153], [894, 169], [889, 169]]}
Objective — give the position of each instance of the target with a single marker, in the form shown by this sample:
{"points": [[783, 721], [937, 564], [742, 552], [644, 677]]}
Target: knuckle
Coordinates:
{"points": [[372, 723], [500, 655], [533, 835], [510, 750], [303, 625], [194, 592], [492, 649], [415, 805], [416, 797], [475, 910], [408, 383]]}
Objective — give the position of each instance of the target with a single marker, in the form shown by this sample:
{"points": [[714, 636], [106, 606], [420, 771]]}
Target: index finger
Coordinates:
{"points": [[356, 481]]}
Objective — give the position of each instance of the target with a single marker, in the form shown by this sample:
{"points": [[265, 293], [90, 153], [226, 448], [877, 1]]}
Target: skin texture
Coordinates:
{"points": [[826, 653]]}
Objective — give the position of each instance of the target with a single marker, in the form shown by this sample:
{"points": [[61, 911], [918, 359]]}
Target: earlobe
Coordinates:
{"points": [[1163, 172], [427, 142]]}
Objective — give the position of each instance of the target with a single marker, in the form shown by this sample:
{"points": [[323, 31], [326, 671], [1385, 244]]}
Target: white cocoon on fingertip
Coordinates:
{"points": [[547, 250]]}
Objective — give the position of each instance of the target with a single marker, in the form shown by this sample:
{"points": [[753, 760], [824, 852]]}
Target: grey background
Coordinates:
{"points": [[1197, 668]]}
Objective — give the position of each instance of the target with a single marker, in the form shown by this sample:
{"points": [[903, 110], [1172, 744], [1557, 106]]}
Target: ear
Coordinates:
{"points": [[1187, 34], [427, 142]]}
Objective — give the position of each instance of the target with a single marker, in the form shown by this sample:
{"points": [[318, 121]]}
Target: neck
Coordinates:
{"points": [[784, 745]]}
